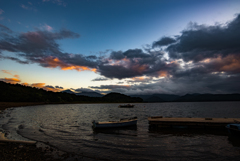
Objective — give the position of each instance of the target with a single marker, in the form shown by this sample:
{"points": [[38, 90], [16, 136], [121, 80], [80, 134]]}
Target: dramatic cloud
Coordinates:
{"points": [[41, 47], [135, 62], [199, 42], [140, 80], [53, 62], [164, 41], [202, 58]]}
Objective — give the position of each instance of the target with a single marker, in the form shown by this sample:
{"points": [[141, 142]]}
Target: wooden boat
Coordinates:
{"points": [[114, 124], [126, 106], [234, 129]]}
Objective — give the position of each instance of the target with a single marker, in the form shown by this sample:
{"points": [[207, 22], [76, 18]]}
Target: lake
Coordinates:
{"points": [[68, 127]]}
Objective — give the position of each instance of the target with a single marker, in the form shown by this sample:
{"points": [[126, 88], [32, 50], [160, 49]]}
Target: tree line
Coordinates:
{"points": [[20, 93]]}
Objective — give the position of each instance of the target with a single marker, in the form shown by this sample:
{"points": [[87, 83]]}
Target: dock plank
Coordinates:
{"points": [[191, 122]]}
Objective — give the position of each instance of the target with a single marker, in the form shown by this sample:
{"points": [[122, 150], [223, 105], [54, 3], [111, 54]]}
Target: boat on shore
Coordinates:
{"points": [[113, 124], [234, 129], [126, 106]]}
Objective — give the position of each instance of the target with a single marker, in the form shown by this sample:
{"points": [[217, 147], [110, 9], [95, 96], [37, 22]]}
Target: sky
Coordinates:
{"points": [[126, 46]]}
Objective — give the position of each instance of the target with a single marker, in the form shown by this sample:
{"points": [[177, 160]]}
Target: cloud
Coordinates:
{"points": [[51, 88], [4, 30], [16, 76], [1, 11], [199, 42], [164, 41], [53, 62], [58, 2], [111, 87], [16, 80], [25, 84], [6, 71], [47, 27], [140, 80], [59, 87], [100, 79], [38, 85], [41, 47], [45, 87], [24, 7], [212, 83], [27, 7], [135, 63], [202, 58], [10, 80], [14, 59]]}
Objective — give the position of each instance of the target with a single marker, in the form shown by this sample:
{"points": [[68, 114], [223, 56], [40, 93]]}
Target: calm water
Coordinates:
{"points": [[68, 127]]}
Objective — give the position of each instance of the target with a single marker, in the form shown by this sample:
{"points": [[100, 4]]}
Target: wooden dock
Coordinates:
{"points": [[170, 122]]}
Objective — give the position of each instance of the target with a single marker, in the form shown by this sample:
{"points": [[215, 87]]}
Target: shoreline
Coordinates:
{"points": [[5, 105], [39, 151], [18, 150]]}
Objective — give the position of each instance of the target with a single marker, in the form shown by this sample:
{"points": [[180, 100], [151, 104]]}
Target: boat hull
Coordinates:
{"points": [[233, 129], [114, 124]]}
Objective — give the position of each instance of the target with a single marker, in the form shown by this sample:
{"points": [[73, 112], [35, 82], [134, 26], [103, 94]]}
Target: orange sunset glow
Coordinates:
{"points": [[54, 62]]}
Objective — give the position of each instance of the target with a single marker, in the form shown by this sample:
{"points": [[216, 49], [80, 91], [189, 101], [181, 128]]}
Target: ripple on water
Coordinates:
{"points": [[69, 128]]}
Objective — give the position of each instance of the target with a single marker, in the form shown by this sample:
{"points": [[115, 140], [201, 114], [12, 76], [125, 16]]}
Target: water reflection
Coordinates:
{"points": [[234, 140], [117, 131], [69, 128], [189, 132]]}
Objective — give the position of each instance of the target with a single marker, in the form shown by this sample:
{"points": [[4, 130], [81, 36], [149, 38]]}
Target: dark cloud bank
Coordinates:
{"points": [[202, 59]]}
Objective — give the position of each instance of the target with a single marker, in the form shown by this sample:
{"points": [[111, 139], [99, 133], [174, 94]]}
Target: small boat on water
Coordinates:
{"points": [[126, 106], [234, 129], [114, 124]]}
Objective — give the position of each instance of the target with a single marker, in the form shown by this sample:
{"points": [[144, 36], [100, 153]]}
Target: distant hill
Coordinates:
{"points": [[90, 94], [68, 91], [196, 97], [157, 97], [154, 99], [117, 97], [208, 97], [20, 93]]}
